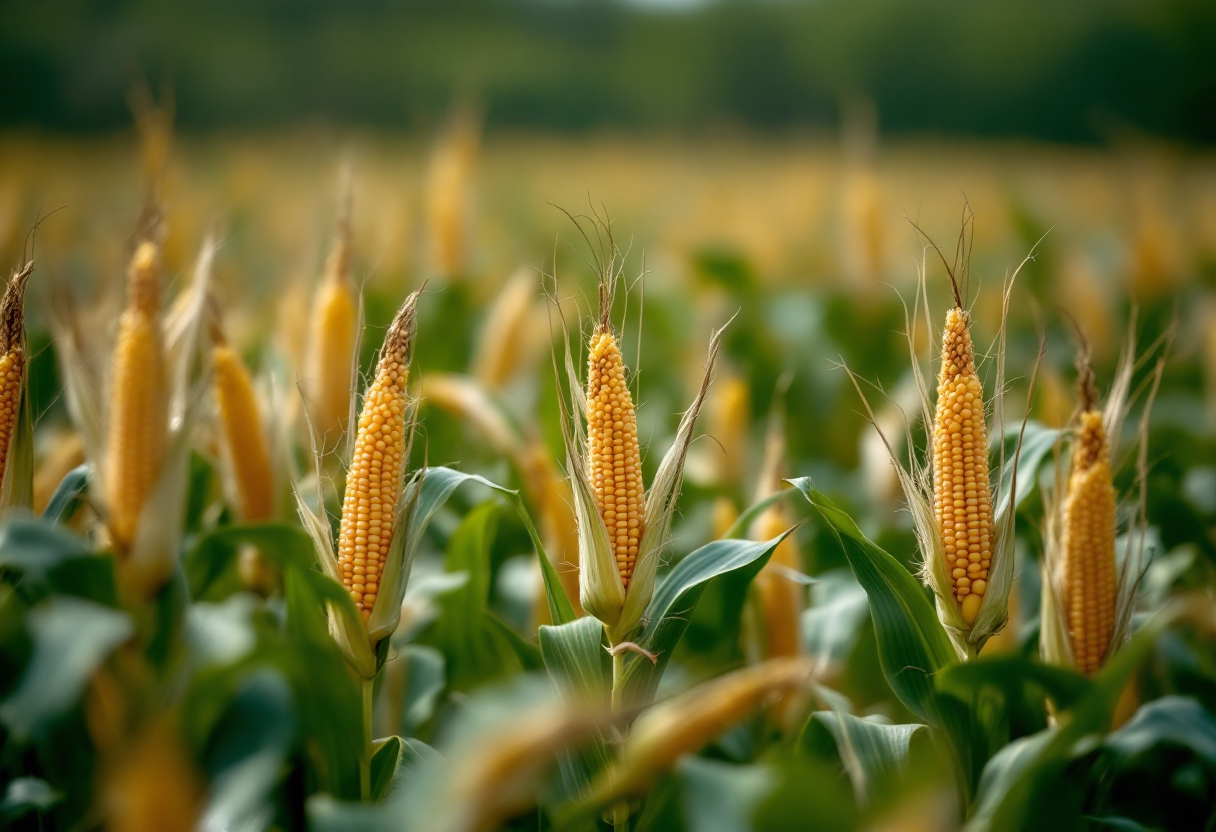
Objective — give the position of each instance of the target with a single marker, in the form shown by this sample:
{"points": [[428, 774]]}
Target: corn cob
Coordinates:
{"points": [[334, 319], [781, 599], [961, 490], [1088, 565], [614, 466], [12, 359], [139, 399], [242, 427], [373, 482]]}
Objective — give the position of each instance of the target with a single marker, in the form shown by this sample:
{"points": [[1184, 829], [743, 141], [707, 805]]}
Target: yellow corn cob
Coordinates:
{"points": [[1089, 576], [242, 427], [334, 319], [374, 479], [613, 459], [153, 785], [780, 597], [961, 491], [12, 358], [139, 399]]}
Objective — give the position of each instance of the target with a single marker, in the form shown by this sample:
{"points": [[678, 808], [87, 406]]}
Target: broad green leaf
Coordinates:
{"points": [[221, 633], [1170, 720], [832, 623], [720, 797], [1002, 774], [1011, 801], [474, 650], [53, 560], [34, 547], [287, 546], [875, 755], [71, 638], [576, 660], [1009, 672], [525, 651], [425, 678], [66, 497], [675, 600], [1037, 442], [912, 645], [392, 762], [438, 485], [247, 755]]}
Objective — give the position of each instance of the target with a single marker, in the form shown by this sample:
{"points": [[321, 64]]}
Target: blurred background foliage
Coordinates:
{"points": [[1076, 72]]}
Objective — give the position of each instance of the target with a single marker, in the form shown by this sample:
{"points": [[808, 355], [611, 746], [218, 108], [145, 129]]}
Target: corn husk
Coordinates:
{"points": [[1131, 550], [916, 478]]}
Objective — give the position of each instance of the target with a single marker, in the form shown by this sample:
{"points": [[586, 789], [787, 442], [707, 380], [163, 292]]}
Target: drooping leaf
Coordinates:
{"points": [[912, 645], [875, 755], [1171, 720], [575, 659], [675, 600], [425, 678], [391, 764], [66, 497]]}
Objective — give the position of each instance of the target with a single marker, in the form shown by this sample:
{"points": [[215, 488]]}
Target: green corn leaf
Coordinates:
{"points": [[576, 660], [912, 645], [72, 638], [875, 755], [675, 600], [66, 497]]}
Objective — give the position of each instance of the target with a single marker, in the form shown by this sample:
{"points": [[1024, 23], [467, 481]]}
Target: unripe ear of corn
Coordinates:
{"points": [[331, 358], [961, 489], [614, 460], [374, 479], [1089, 576], [244, 436], [139, 399]]}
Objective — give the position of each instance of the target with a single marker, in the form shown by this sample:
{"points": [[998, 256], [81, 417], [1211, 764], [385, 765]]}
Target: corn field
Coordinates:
{"points": [[525, 483]]}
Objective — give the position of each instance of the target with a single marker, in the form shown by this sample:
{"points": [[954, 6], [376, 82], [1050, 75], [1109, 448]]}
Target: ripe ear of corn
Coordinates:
{"points": [[332, 349], [614, 461], [1089, 575], [246, 441], [139, 400], [12, 360], [373, 482], [961, 489]]}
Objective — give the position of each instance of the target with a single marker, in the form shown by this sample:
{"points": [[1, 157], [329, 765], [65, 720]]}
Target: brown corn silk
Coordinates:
{"points": [[242, 426], [373, 481], [12, 359], [334, 320], [961, 490], [1089, 575], [139, 399], [614, 462]]}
